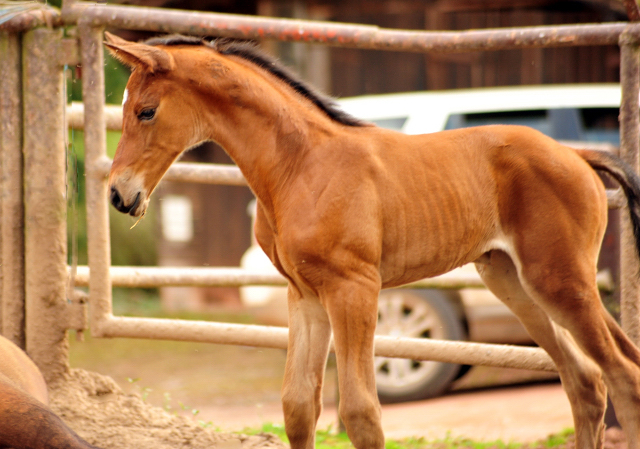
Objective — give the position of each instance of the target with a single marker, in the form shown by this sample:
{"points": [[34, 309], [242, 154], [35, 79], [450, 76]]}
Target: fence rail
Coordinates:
{"points": [[501, 356], [149, 277], [368, 37]]}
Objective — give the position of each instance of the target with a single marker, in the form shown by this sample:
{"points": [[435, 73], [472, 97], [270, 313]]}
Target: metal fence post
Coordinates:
{"points": [[12, 311], [99, 248], [629, 151], [45, 203]]}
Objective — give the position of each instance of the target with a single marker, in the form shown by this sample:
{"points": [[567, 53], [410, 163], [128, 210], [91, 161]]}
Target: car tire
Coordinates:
{"points": [[417, 314]]}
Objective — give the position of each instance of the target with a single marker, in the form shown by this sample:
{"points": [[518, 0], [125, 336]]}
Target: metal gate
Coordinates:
{"points": [[99, 276]]}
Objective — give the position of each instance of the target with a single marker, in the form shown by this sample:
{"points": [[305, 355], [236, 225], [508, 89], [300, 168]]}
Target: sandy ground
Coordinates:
{"points": [[97, 409], [107, 417]]}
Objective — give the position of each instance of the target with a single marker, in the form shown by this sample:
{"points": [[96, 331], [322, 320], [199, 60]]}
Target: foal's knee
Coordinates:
{"points": [[588, 397], [302, 405], [586, 390], [589, 390], [362, 420], [300, 415]]}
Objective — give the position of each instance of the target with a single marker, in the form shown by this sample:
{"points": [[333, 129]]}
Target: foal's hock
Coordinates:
{"points": [[346, 208]]}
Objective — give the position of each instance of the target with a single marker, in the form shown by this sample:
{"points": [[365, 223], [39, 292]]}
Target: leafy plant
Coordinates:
{"points": [[144, 391]]}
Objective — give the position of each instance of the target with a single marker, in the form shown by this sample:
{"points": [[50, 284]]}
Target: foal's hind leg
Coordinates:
{"points": [[581, 378], [563, 284], [309, 336]]}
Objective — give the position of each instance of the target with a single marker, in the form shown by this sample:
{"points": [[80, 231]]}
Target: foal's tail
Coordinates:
{"points": [[624, 175]]}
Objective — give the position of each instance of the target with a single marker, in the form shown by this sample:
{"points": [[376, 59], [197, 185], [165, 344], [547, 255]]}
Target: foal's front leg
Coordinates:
{"points": [[353, 311], [309, 336]]}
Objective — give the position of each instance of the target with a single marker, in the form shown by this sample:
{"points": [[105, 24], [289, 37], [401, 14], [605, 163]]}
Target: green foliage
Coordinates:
{"points": [[167, 403], [465, 443], [54, 3], [76, 210], [136, 302], [115, 80], [328, 438], [559, 439], [135, 246], [129, 246], [144, 391]]}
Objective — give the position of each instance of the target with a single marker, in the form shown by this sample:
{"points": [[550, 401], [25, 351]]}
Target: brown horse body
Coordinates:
{"points": [[346, 208], [25, 420]]}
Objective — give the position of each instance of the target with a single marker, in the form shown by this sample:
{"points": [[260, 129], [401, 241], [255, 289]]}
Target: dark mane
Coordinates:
{"points": [[251, 53]]}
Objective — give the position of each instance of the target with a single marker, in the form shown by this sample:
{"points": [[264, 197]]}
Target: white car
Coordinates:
{"points": [[582, 115]]}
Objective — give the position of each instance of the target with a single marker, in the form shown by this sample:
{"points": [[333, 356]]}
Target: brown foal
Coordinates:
{"points": [[346, 208], [26, 422]]}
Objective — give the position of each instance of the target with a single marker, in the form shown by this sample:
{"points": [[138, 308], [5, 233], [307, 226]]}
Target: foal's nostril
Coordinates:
{"points": [[117, 202]]}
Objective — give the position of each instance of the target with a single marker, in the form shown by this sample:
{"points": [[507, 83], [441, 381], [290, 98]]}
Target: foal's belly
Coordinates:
{"points": [[403, 269], [426, 242], [439, 205]]}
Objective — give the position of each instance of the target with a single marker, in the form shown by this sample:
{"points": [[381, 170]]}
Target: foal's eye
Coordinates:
{"points": [[147, 114]]}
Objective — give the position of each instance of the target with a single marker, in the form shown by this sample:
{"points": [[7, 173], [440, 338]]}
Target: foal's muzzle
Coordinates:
{"points": [[118, 202]]}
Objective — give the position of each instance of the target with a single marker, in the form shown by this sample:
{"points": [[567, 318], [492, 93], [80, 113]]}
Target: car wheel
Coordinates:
{"points": [[417, 314]]}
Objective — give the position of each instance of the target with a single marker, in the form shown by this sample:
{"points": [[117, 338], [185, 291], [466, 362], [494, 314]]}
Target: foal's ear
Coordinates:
{"points": [[134, 55]]}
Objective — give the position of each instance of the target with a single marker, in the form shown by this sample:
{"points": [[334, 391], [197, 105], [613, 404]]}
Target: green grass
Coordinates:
{"points": [[330, 439], [559, 439]]}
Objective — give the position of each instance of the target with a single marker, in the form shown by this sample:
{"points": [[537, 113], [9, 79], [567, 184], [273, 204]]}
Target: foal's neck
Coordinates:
{"points": [[264, 126]]}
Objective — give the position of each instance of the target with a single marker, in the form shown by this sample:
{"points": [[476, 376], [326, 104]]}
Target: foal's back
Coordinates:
{"points": [[451, 196]]}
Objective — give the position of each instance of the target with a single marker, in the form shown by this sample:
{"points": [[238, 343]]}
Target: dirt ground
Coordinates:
{"points": [[101, 413], [104, 415], [160, 394]]}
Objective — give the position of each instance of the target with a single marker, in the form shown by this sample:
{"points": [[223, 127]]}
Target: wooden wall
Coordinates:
{"points": [[355, 72]]}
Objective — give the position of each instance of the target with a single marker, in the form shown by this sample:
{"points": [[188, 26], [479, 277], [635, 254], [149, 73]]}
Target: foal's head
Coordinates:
{"points": [[183, 91], [160, 121]]}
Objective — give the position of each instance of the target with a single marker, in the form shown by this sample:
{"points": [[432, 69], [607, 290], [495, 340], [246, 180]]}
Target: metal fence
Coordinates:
{"points": [[51, 314]]}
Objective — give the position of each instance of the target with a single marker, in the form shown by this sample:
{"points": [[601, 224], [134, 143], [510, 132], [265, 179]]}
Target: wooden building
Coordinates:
{"points": [[218, 232]]}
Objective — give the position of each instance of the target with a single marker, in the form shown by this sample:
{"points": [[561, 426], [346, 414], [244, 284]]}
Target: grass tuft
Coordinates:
{"points": [[330, 439]]}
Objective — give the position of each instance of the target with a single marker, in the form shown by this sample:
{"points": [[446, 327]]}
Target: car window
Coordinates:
{"points": [[395, 123], [535, 119], [601, 125], [587, 124]]}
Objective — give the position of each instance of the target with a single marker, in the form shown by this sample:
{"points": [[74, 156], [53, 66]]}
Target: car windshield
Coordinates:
{"points": [[587, 124]]}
